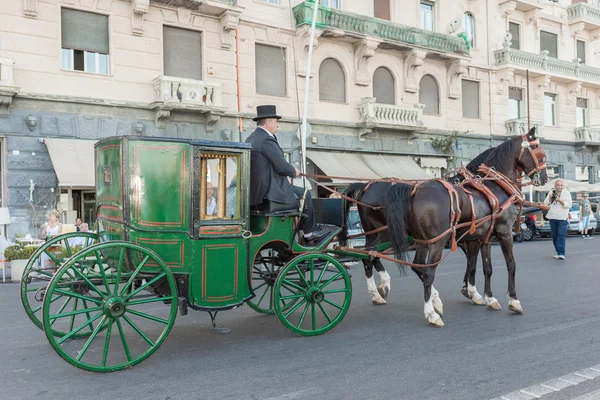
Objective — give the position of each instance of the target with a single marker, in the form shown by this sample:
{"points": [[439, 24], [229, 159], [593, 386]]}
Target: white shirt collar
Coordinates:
{"points": [[270, 134]]}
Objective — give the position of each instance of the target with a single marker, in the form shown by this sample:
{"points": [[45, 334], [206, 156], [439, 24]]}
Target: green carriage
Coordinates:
{"points": [[175, 231]]}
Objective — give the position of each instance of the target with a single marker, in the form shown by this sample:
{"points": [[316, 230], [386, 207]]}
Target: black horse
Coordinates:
{"points": [[373, 218], [426, 214]]}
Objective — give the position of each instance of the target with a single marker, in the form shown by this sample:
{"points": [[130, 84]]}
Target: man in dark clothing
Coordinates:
{"points": [[269, 171]]}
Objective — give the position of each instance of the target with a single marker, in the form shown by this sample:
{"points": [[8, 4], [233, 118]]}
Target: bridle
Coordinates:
{"points": [[537, 155]]}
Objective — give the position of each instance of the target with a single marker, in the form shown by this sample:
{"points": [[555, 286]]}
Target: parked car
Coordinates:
{"points": [[543, 225]]}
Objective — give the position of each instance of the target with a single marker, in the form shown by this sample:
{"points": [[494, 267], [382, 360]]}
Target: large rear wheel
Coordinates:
{"points": [[129, 308]]}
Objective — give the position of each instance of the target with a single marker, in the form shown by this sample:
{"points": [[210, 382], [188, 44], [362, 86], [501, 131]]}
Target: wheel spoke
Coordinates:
{"points": [[123, 340], [87, 344], [132, 278], [92, 286], [293, 296], [75, 313], [303, 315], [259, 286], [321, 275], [324, 312], [102, 271], [107, 342], [344, 290], [331, 280], [52, 257], [80, 327], [292, 284], [78, 296], [297, 306], [119, 269], [138, 330], [301, 276], [148, 316], [333, 304], [262, 296], [87, 314], [144, 301], [68, 248], [314, 316], [144, 286], [61, 309], [312, 271]]}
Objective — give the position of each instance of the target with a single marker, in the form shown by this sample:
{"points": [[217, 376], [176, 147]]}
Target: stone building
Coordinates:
{"points": [[398, 87]]}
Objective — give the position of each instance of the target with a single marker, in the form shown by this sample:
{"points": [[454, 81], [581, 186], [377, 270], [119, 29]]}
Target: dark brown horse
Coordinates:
{"points": [[373, 218], [426, 213]]}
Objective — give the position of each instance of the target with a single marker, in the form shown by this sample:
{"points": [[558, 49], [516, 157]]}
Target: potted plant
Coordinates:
{"points": [[18, 255]]}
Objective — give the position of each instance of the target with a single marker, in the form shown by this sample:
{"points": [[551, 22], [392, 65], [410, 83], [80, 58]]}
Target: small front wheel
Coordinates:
{"points": [[323, 292]]}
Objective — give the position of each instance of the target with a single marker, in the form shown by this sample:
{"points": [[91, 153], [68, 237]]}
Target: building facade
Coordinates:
{"points": [[406, 88]]}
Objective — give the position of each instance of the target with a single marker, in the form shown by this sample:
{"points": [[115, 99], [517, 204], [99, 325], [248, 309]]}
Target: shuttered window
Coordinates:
{"points": [[582, 112], [549, 42], [382, 9], [515, 31], [332, 81], [384, 86], [270, 63], [581, 51], [182, 52], [515, 103], [429, 95], [470, 99], [85, 31]]}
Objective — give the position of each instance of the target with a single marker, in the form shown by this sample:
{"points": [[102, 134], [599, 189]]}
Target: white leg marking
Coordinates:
{"points": [[385, 279], [372, 289], [432, 317], [514, 305], [437, 301], [492, 303], [475, 296]]}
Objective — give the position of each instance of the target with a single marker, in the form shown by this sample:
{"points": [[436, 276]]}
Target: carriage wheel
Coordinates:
{"points": [[265, 269], [124, 322], [43, 264], [323, 296]]}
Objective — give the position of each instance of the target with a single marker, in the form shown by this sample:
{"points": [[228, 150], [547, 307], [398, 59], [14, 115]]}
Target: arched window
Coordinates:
{"points": [[429, 95], [469, 27], [332, 81], [383, 86]]}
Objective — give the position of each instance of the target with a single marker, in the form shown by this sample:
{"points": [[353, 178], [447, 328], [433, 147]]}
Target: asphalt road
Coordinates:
{"points": [[377, 352]]}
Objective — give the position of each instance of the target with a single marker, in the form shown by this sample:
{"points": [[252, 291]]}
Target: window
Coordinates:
{"points": [[429, 95], [382, 9], [582, 112], [515, 31], [84, 41], [581, 51], [330, 3], [427, 18], [182, 53], [549, 42], [332, 81], [469, 27], [270, 70], [219, 192], [272, 1], [515, 103], [384, 86], [470, 99], [549, 109]]}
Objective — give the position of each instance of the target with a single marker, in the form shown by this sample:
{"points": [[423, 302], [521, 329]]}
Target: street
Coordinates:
{"points": [[377, 352]]}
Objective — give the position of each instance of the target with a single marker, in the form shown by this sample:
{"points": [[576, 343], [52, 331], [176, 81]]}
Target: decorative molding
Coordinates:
{"points": [[577, 29], [412, 69], [363, 50], [595, 35], [30, 8], [7, 89], [302, 43], [535, 20], [508, 8], [573, 91], [456, 70], [505, 80], [161, 117], [541, 84], [212, 118], [140, 9], [229, 21]]}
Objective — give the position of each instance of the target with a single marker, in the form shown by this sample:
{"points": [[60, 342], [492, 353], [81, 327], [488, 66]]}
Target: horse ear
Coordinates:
{"points": [[531, 134]]}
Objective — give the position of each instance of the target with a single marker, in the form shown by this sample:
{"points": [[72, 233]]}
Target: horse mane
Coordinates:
{"points": [[473, 166], [503, 156]]}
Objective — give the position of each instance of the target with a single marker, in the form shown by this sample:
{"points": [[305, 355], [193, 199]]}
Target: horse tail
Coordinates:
{"points": [[397, 205], [354, 191]]}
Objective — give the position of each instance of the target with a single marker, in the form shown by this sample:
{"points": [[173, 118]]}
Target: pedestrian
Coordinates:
{"points": [[559, 200], [584, 214], [78, 224]]}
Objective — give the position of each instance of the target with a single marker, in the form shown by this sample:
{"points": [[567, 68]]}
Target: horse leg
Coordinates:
{"points": [[371, 287], [432, 296], [384, 288], [486, 252], [469, 290], [506, 245], [438, 306]]}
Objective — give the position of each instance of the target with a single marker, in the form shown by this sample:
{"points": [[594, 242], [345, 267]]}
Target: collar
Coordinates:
{"points": [[269, 133]]}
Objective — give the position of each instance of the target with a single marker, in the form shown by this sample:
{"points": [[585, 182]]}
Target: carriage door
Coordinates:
{"points": [[220, 223]]}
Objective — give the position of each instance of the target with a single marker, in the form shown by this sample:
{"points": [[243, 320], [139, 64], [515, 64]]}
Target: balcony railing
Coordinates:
{"points": [[550, 65], [187, 93], [582, 12], [401, 116], [402, 35], [518, 126], [591, 136]]}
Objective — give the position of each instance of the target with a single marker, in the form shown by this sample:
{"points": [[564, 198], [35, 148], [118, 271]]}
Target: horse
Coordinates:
{"points": [[372, 218], [430, 213]]}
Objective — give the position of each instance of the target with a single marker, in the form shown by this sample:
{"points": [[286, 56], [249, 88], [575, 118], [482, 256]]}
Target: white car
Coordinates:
{"points": [[574, 223]]}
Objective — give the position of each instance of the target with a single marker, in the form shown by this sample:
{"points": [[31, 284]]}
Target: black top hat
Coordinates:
{"points": [[264, 112]]}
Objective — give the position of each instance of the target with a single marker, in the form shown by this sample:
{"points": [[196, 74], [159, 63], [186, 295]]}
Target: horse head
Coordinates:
{"points": [[532, 159]]}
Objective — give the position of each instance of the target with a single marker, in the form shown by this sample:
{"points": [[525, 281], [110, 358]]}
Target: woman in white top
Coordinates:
{"points": [[559, 200], [51, 228]]}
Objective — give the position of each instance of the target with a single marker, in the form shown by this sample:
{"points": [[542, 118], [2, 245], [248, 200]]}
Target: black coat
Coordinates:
{"points": [[268, 170]]}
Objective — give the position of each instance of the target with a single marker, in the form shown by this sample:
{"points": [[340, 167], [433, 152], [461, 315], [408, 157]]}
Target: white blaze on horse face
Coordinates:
{"points": [[372, 289]]}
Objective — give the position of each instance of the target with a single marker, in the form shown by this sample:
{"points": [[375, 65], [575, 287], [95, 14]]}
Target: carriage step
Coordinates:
{"points": [[183, 308]]}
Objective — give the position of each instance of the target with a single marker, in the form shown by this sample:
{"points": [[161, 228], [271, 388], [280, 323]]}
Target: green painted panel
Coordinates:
{"points": [[160, 187], [109, 182], [175, 249]]}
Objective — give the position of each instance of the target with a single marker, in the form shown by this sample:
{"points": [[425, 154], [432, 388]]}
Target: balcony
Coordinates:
{"points": [[588, 137], [8, 90], [521, 5], [518, 126], [387, 116], [541, 64], [584, 13], [206, 7], [393, 35], [188, 95]]}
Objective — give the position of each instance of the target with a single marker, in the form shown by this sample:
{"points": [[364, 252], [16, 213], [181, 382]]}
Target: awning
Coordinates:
{"points": [[571, 186], [434, 162], [73, 161], [368, 166]]}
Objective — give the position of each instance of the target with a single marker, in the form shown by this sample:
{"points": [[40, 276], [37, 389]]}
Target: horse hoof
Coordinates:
{"points": [[435, 321], [478, 301], [495, 306], [465, 293], [383, 292], [515, 307], [379, 302]]}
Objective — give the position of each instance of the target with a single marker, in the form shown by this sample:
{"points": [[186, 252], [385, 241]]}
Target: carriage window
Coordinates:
{"points": [[219, 192]]}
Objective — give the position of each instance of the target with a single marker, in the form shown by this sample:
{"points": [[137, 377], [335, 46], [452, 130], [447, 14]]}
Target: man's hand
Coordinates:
{"points": [[298, 173]]}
